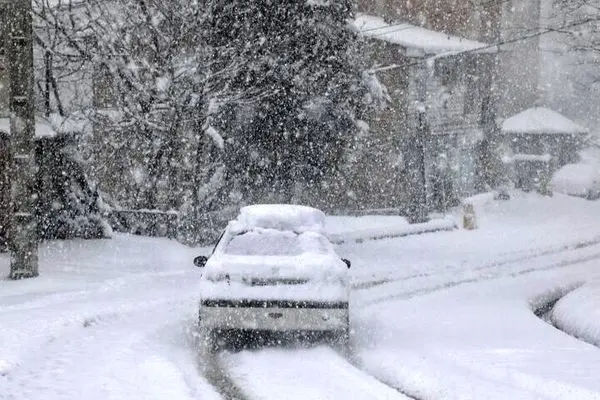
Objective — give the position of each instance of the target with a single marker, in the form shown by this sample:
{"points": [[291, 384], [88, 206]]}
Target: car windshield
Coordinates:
{"points": [[270, 242]]}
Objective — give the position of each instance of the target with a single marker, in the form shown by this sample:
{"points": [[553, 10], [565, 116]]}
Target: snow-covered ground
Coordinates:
{"points": [[106, 319], [446, 315]]}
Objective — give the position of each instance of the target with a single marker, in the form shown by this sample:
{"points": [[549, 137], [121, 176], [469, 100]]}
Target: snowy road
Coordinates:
{"points": [[440, 316]]}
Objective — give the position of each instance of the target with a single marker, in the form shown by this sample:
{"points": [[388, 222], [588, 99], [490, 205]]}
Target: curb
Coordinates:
{"points": [[440, 225]]}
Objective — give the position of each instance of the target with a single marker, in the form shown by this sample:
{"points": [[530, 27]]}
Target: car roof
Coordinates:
{"points": [[288, 217]]}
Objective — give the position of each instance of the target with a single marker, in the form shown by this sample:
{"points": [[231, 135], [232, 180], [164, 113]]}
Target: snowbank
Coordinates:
{"points": [[582, 180], [578, 313]]}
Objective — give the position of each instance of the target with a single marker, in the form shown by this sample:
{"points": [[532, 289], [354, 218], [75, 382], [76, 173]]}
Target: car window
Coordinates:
{"points": [[269, 242], [264, 243]]}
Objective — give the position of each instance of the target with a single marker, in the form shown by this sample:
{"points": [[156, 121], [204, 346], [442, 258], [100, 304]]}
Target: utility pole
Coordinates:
{"points": [[418, 207], [23, 239]]}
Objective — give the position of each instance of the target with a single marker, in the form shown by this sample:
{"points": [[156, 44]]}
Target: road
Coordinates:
{"points": [[116, 319]]}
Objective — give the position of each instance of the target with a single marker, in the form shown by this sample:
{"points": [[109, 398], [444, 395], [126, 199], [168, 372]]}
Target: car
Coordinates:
{"points": [[274, 271]]}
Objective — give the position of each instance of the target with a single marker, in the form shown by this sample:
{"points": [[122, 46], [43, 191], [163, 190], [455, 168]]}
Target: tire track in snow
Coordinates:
{"points": [[572, 256], [302, 373], [138, 354], [495, 264], [211, 368]]}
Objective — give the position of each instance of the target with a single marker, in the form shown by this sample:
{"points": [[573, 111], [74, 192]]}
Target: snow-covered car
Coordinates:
{"points": [[274, 270]]}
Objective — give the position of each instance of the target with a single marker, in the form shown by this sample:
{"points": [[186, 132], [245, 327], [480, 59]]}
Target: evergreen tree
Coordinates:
{"points": [[302, 88]]}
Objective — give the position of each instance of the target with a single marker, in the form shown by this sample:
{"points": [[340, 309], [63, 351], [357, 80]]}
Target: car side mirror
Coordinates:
{"points": [[200, 261], [347, 262]]}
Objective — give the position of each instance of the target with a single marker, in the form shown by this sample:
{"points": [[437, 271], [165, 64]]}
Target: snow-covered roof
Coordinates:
{"points": [[281, 216], [414, 37], [541, 120], [42, 128]]}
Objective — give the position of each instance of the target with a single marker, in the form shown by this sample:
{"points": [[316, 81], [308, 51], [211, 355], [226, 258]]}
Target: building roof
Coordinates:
{"points": [[415, 37], [541, 120]]}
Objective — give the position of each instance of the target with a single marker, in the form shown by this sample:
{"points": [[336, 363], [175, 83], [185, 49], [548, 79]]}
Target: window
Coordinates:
{"points": [[270, 242], [264, 243]]}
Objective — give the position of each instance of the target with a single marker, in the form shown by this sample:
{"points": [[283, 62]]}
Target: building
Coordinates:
{"points": [[538, 142], [510, 23], [477, 20], [440, 94]]}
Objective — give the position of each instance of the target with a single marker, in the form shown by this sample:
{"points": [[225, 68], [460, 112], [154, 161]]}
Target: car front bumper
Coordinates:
{"points": [[276, 316]]}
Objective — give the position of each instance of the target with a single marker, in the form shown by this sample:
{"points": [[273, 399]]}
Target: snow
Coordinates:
{"points": [[545, 158], [450, 315], [578, 313], [297, 374], [42, 128], [581, 179], [280, 216], [412, 36], [318, 3], [576, 180], [369, 227], [309, 291], [216, 137], [76, 123], [540, 120], [444, 315], [480, 341], [269, 254], [106, 319]]}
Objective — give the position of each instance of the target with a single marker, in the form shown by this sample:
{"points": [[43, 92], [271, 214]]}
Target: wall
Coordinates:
{"points": [[380, 179]]}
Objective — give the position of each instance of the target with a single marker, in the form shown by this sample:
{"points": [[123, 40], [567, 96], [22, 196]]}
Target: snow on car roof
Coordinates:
{"points": [[288, 217]]}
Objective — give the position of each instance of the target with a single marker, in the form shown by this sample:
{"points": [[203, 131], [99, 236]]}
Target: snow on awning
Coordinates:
{"points": [[415, 37], [540, 120], [42, 128]]}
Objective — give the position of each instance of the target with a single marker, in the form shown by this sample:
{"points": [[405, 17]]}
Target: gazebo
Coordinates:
{"points": [[540, 141]]}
